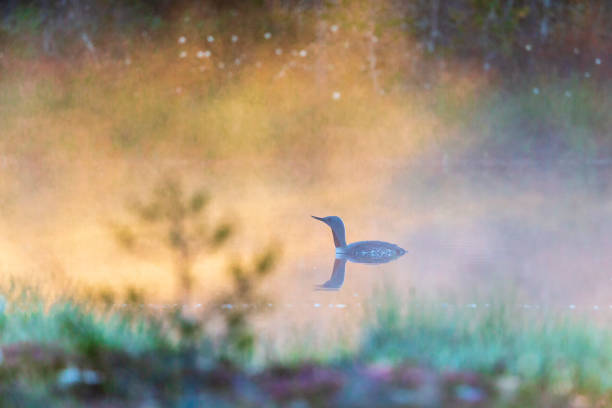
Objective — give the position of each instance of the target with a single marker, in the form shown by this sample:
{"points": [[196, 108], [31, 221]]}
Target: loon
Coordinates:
{"points": [[374, 252], [368, 252]]}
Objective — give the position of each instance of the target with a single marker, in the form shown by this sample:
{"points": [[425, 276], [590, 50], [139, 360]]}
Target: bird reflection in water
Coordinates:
{"points": [[366, 252]]}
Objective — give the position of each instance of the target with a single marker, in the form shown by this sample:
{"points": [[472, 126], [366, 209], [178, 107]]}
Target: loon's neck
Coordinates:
{"points": [[339, 236]]}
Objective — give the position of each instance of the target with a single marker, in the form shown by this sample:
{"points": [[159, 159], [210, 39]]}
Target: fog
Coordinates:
{"points": [[495, 184], [473, 232]]}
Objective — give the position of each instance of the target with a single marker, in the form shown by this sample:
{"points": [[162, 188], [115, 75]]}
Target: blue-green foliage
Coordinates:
{"points": [[537, 346], [78, 326]]}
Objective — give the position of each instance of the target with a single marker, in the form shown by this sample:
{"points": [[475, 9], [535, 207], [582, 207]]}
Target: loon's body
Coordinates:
{"points": [[373, 252]]}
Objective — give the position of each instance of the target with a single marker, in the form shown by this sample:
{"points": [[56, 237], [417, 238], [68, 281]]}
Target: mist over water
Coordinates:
{"points": [[496, 185], [478, 235], [473, 233]]}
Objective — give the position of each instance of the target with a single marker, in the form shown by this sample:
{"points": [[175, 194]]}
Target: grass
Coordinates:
{"points": [[493, 356], [540, 347]]}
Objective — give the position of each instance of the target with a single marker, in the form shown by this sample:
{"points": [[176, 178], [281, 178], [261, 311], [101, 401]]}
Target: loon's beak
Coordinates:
{"points": [[318, 218]]}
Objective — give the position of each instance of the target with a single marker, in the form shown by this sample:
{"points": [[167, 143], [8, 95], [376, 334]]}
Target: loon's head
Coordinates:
{"points": [[337, 227]]}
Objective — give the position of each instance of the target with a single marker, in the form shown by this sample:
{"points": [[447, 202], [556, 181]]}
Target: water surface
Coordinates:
{"points": [[473, 232]]}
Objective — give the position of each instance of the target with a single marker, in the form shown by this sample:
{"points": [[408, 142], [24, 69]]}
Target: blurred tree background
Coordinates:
{"points": [[220, 79], [490, 32]]}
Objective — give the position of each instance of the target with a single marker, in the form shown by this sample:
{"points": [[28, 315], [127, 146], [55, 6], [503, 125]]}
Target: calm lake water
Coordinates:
{"points": [[478, 234], [474, 232]]}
